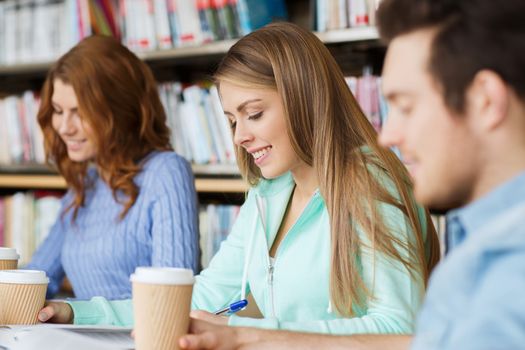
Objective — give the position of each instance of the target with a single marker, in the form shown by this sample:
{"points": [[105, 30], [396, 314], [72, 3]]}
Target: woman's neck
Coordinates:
{"points": [[306, 182]]}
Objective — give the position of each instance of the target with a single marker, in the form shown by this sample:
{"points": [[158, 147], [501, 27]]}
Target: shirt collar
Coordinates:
{"points": [[463, 221]]}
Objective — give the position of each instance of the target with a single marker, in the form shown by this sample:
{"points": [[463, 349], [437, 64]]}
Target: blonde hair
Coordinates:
{"points": [[329, 131]]}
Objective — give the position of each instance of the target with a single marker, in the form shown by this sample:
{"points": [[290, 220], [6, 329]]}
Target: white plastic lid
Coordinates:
{"points": [[23, 277], [163, 275], [8, 254]]}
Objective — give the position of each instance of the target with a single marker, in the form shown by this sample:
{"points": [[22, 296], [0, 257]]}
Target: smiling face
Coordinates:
{"points": [[439, 147], [69, 125], [258, 122]]}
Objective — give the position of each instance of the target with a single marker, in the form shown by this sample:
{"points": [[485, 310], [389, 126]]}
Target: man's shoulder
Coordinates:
{"points": [[500, 248], [495, 251], [505, 231]]}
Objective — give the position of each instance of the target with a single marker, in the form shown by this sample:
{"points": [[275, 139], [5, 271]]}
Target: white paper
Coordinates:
{"points": [[62, 337]]}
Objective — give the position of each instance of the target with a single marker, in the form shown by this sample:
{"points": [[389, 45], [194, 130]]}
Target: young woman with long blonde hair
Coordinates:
{"points": [[330, 238]]}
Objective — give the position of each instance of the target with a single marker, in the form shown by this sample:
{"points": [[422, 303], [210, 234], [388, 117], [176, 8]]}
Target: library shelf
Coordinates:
{"points": [[209, 178], [47, 182], [214, 48]]}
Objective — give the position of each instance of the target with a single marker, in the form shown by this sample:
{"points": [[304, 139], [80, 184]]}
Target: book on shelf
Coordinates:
{"points": [[340, 14], [215, 223], [226, 19], [26, 219], [223, 126], [200, 131], [196, 125], [36, 29], [254, 14], [21, 137], [162, 24], [12, 124], [42, 30], [367, 91]]}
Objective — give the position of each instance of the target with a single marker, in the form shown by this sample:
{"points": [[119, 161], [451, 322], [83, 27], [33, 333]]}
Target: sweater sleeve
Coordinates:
{"points": [[174, 215], [48, 256], [215, 287], [220, 283], [396, 295]]}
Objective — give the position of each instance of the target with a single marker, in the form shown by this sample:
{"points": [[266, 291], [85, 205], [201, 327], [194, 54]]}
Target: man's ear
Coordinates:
{"points": [[487, 100]]}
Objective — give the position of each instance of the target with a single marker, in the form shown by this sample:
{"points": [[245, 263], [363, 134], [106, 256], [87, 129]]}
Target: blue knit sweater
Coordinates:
{"points": [[99, 251]]}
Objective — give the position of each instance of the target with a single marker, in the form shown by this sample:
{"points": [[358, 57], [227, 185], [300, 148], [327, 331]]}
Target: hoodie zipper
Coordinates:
{"points": [[271, 269], [271, 266]]}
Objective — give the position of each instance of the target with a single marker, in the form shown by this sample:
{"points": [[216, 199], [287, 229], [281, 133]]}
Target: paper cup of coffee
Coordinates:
{"points": [[8, 258], [161, 306], [22, 296]]}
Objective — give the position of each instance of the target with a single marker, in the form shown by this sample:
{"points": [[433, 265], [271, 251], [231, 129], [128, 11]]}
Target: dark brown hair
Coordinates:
{"points": [[329, 131], [117, 97], [471, 35]]}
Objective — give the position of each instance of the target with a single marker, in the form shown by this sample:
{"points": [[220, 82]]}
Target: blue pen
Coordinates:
{"points": [[233, 307]]}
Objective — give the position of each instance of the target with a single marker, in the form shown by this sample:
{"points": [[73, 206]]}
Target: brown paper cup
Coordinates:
{"points": [[8, 264], [8, 258], [161, 307], [22, 296]]}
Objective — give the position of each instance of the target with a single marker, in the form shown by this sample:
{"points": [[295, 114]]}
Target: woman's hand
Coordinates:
{"points": [[205, 335], [56, 312], [209, 317]]}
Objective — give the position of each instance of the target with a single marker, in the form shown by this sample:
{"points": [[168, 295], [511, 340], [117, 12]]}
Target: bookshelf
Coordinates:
{"points": [[209, 178], [341, 36], [56, 182], [353, 48]]}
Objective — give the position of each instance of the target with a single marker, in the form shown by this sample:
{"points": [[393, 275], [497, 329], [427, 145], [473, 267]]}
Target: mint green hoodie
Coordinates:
{"points": [[292, 292]]}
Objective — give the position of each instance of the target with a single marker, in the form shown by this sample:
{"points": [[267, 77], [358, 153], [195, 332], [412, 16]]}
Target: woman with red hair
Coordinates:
{"points": [[131, 200]]}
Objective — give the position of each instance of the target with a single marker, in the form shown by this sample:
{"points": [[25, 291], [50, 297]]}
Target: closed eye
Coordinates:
{"points": [[231, 121], [405, 111], [255, 116]]}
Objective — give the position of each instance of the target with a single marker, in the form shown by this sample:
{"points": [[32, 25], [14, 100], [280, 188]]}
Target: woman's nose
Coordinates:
{"points": [[67, 125], [242, 134]]}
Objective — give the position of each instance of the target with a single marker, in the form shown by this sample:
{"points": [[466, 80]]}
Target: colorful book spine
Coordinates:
{"points": [[226, 20], [162, 25], [207, 21]]}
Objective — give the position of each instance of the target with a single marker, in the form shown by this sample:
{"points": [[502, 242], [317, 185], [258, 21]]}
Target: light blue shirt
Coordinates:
{"points": [[99, 251], [476, 297]]}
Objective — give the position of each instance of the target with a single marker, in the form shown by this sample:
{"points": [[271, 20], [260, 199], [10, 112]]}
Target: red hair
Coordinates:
{"points": [[118, 98]]}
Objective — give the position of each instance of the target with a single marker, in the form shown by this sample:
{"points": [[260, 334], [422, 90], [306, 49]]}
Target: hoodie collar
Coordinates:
{"points": [[271, 187]]}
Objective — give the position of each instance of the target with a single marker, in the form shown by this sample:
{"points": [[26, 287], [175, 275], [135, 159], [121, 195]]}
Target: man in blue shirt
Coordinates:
{"points": [[454, 76]]}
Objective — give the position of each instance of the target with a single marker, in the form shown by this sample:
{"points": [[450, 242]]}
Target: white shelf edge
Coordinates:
{"points": [[26, 67], [215, 169], [56, 182], [198, 169], [348, 35], [218, 47]]}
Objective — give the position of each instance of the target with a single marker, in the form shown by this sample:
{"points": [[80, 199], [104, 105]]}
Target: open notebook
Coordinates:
{"points": [[62, 337]]}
